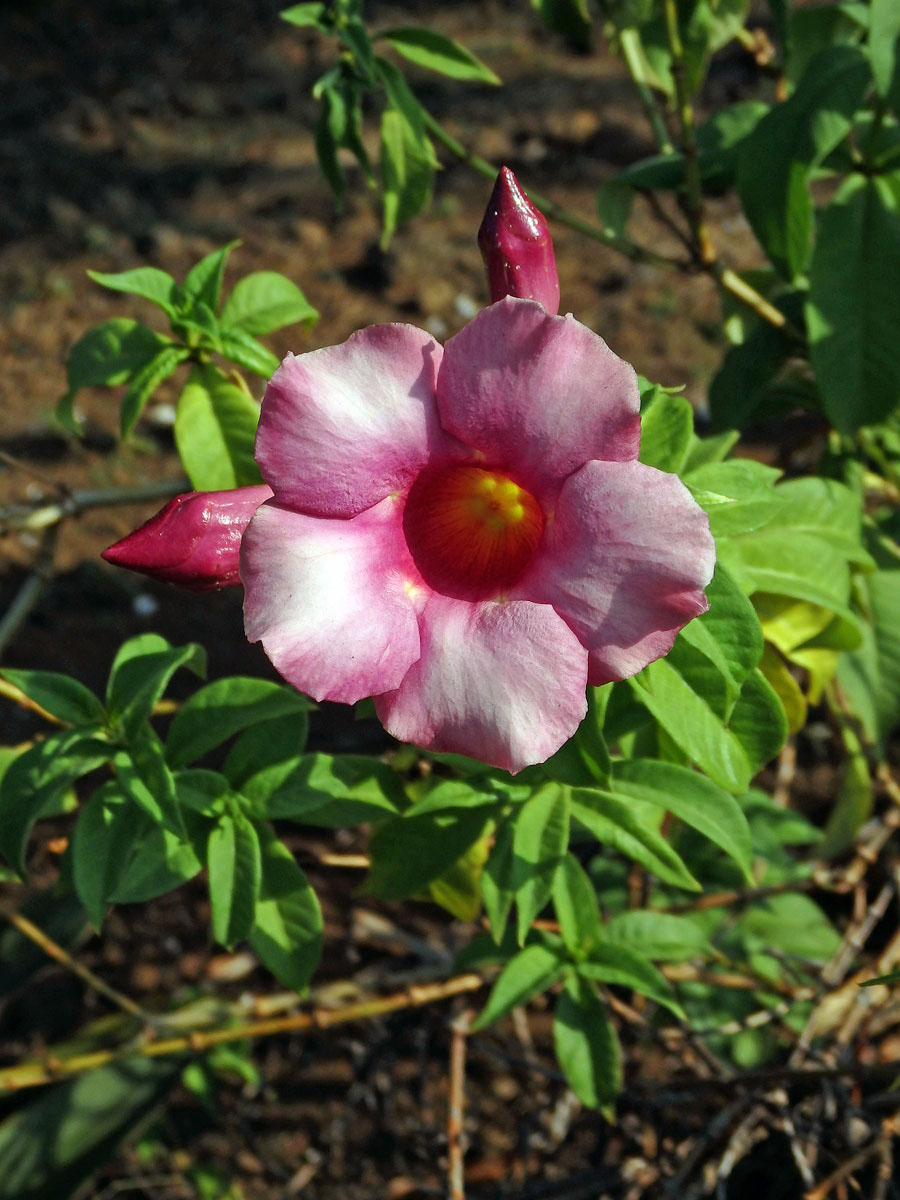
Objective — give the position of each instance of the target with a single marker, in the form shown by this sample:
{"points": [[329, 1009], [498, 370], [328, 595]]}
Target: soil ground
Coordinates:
{"points": [[152, 131]]}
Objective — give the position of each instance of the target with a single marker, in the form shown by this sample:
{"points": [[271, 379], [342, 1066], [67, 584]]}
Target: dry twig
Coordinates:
{"points": [[459, 1030]]}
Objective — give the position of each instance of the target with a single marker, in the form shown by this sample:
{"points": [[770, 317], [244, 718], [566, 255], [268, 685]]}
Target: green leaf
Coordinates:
{"points": [[532, 970], [853, 311], [718, 145], [776, 159], [821, 508], [620, 824], [265, 301], [223, 708], [457, 793], [215, 429], [140, 674], [692, 798], [33, 784], [692, 724], [584, 759], [749, 484], [410, 852], [101, 847], [205, 792], [265, 757], [160, 861], [88, 1116], [142, 773], [112, 353], [854, 800], [661, 936], [614, 203], [59, 695], [330, 126], [827, 509], [729, 634], [813, 29], [751, 379], [287, 934], [240, 347], [340, 125], [406, 173], [147, 282], [570, 18], [496, 881], [235, 873], [203, 282], [353, 33], [146, 381], [666, 427], [707, 451], [326, 789], [783, 562], [884, 47], [434, 51], [199, 327], [540, 839], [870, 675], [459, 889], [626, 967], [305, 14], [586, 1045], [759, 721], [407, 156], [792, 923], [575, 901]]}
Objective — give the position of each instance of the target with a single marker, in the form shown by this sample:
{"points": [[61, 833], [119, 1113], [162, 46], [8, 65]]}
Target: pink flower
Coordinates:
{"points": [[515, 243], [466, 533], [195, 541]]}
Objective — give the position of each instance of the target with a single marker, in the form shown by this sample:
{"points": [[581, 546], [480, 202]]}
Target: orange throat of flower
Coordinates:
{"points": [[471, 532]]}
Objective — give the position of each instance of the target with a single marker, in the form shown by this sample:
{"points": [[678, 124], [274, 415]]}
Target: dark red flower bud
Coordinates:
{"points": [[516, 246], [195, 541]]}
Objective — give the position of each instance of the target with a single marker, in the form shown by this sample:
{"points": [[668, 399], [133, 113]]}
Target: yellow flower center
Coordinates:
{"points": [[471, 531]]}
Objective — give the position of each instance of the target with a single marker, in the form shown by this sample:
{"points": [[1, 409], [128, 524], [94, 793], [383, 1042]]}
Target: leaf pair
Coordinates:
{"points": [[216, 419]]}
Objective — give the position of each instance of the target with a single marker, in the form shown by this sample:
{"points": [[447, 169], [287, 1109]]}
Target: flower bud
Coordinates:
{"points": [[516, 246], [195, 541]]}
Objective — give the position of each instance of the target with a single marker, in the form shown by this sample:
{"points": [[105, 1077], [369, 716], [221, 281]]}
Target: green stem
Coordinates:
{"points": [[624, 245], [727, 279], [43, 516], [703, 246], [874, 134], [630, 45]]}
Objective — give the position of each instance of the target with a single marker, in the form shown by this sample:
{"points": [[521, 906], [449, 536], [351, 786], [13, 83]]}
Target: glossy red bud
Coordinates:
{"points": [[195, 541], [516, 246]]}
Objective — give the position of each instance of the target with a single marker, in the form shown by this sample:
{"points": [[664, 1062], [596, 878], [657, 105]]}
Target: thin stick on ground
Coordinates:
{"points": [[30, 591], [41, 514], [459, 1030], [53, 950], [50, 1069]]}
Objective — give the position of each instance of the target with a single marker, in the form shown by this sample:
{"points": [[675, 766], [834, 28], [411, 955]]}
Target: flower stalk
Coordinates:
{"points": [[703, 244]]}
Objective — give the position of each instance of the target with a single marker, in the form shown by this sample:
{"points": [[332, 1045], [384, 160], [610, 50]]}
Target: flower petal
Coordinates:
{"points": [[328, 599], [504, 683], [343, 427], [624, 561], [537, 394]]}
